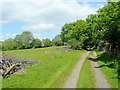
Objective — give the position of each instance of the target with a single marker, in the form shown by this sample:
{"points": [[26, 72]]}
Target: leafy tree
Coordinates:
{"points": [[73, 30], [47, 42], [0, 46], [75, 44], [8, 44], [27, 39], [76, 32], [18, 42], [37, 43], [64, 31], [109, 24], [57, 41]]}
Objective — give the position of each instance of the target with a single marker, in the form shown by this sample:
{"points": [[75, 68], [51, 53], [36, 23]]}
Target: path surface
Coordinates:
{"points": [[101, 82], [73, 78]]}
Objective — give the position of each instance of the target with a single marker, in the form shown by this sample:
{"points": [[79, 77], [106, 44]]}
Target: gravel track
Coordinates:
{"points": [[101, 82], [73, 78]]}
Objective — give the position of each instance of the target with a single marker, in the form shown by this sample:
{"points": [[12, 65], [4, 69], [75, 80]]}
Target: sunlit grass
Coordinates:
{"points": [[0, 82], [109, 72], [52, 72]]}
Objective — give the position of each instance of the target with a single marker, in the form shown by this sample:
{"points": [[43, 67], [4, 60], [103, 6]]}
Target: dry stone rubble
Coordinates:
{"points": [[10, 65]]}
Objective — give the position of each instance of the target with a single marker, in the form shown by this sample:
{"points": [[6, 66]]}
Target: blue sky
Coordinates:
{"points": [[44, 19]]}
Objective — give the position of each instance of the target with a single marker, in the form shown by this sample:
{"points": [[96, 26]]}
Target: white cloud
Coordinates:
{"points": [[43, 15], [38, 35], [6, 36], [9, 35], [56, 0], [48, 11], [4, 22], [41, 27], [1, 38]]}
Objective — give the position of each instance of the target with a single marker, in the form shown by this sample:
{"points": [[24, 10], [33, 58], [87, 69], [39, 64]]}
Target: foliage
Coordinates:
{"points": [[37, 43], [18, 42], [75, 44], [57, 41], [76, 32], [98, 30], [8, 44], [109, 22], [27, 39], [0, 46], [73, 30], [47, 42]]}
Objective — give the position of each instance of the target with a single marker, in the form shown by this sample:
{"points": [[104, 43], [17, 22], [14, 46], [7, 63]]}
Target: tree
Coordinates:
{"points": [[109, 24], [57, 41], [18, 42], [27, 39], [75, 44], [47, 42], [76, 32], [64, 31], [0, 46], [8, 44], [37, 43]]}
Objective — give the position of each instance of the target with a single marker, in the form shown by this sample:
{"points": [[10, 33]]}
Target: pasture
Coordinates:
{"points": [[50, 72]]}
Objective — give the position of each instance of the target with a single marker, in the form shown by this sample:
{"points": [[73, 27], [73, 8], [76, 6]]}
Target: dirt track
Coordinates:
{"points": [[73, 78], [101, 82]]}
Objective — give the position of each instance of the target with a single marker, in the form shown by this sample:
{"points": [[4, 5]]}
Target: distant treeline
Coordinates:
{"points": [[26, 40]]}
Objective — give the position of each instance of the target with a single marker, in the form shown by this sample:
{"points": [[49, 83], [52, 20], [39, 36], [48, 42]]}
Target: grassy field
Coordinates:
{"points": [[86, 78], [107, 69], [0, 82], [51, 73]]}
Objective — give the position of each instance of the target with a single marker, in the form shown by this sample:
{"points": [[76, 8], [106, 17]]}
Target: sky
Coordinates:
{"points": [[44, 18]]}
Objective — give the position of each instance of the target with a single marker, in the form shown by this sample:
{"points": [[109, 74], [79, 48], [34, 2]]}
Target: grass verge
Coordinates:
{"points": [[108, 69]]}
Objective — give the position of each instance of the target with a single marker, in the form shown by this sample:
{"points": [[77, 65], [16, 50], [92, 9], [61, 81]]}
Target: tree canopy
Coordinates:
{"points": [[8, 44], [27, 39], [47, 42], [37, 43], [57, 41]]}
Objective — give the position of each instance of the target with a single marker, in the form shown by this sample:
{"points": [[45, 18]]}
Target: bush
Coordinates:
{"points": [[75, 44]]}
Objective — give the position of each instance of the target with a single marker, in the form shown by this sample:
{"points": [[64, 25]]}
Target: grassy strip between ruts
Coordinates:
{"points": [[109, 72], [50, 74], [86, 77]]}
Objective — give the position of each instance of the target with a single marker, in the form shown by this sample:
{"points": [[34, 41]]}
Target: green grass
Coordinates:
{"points": [[108, 71], [50, 74], [86, 77], [0, 82]]}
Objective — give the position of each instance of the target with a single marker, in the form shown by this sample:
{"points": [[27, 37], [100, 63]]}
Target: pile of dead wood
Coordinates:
{"points": [[10, 65]]}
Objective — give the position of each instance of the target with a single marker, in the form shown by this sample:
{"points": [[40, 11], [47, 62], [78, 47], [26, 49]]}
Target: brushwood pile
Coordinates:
{"points": [[10, 65]]}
